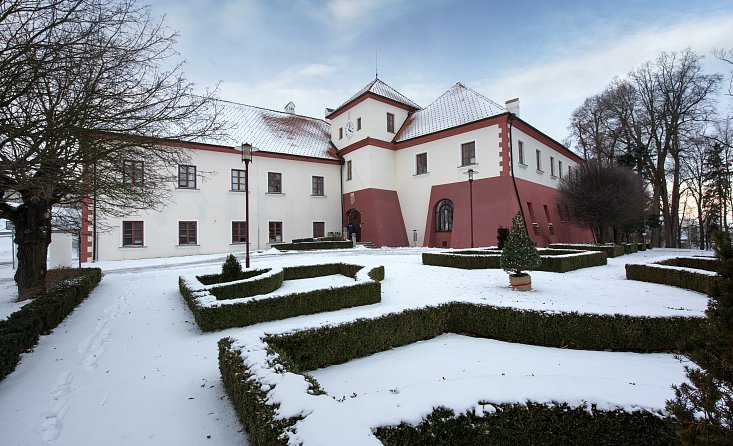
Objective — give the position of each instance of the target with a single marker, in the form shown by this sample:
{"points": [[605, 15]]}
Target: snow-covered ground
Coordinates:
{"points": [[129, 365]]}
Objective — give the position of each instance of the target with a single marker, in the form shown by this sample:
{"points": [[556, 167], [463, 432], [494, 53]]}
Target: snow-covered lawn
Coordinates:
{"points": [[129, 365]]}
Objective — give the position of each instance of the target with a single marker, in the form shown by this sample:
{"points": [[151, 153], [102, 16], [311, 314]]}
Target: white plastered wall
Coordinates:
{"points": [[373, 116], [214, 206], [529, 171]]}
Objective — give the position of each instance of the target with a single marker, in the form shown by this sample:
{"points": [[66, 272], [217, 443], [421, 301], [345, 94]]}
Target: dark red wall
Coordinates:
{"points": [[381, 216]]}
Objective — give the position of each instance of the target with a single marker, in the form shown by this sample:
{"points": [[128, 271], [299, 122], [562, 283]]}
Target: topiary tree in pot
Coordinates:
{"points": [[519, 254], [231, 269]]}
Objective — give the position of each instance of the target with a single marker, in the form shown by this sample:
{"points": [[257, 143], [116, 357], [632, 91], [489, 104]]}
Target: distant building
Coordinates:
{"points": [[396, 171]]}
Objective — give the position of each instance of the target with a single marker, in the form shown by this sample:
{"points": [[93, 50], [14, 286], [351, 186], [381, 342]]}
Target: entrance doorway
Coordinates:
{"points": [[353, 223]]}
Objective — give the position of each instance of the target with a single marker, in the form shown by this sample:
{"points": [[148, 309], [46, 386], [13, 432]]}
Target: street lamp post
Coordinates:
{"points": [[470, 173], [246, 158]]}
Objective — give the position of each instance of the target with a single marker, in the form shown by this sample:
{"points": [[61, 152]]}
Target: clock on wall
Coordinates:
{"points": [[349, 129]]}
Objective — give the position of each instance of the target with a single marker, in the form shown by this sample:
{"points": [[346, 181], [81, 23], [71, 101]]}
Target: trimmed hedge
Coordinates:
{"points": [[610, 250], [703, 263], [553, 260], [534, 424], [630, 248], [21, 331], [321, 347], [308, 246], [679, 278], [218, 316], [641, 246]]}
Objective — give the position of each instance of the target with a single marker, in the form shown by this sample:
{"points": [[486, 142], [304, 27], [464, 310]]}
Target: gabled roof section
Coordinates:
{"points": [[457, 106], [379, 88], [274, 131]]}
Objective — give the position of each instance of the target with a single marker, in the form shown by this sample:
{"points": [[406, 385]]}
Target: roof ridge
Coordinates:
{"points": [[272, 110]]}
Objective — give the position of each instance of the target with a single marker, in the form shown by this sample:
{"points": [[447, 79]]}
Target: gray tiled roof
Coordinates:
{"points": [[457, 106], [381, 89], [274, 131]]}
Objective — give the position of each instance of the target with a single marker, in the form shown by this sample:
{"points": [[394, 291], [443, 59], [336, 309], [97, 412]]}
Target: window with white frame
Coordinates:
{"points": [[421, 163]]}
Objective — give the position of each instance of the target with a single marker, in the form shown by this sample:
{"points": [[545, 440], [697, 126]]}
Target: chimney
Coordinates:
{"points": [[290, 108], [512, 106]]}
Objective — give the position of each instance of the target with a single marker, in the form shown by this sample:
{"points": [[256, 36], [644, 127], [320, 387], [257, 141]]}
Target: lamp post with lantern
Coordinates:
{"points": [[246, 158], [471, 173]]}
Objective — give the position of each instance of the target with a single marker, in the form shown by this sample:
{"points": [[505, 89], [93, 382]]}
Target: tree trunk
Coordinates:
{"points": [[32, 222]]}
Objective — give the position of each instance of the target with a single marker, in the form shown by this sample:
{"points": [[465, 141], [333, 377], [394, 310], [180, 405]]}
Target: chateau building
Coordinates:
{"points": [[447, 175]]}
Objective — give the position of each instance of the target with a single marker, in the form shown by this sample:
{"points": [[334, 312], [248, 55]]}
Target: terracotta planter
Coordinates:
{"points": [[520, 283]]}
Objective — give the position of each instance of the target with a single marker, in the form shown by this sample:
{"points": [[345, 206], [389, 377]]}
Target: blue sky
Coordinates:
{"points": [[550, 54]]}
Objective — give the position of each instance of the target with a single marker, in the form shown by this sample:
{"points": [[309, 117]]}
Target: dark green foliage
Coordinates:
{"points": [[550, 260], [641, 246], [533, 425], [519, 251], [689, 280], [249, 400], [231, 269], [266, 283], [20, 332], [610, 250], [502, 234], [513, 424], [704, 408], [707, 264], [308, 246], [210, 279], [254, 311], [630, 248]]}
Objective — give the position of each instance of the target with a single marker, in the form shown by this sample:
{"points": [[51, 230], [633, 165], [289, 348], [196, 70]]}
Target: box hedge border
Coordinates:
{"points": [[668, 272], [213, 313], [553, 260], [311, 245], [21, 331], [610, 250], [310, 349]]}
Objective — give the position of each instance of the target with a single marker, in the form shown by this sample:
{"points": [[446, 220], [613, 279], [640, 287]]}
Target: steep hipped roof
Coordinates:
{"points": [[274, 131], [457, 106], [381, 89]]}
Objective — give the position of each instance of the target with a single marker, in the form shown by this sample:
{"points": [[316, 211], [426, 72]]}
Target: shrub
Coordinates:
{"points": [[231, 269], [519, 252], [641, 246], [308, 246], [706, 264], [533, 424], [679, 278], [21, 330], [610, 250], [552, 260], [630, 248], [211, 312]]}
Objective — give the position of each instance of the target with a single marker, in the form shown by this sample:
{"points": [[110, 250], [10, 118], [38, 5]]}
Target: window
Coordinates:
{"points": [[186, 177], [276, 231], [552, 166], [274, 182], [239, 180], [444, 216], [468, 153], [341, 133], [390, 122], [358, 123], [559, 168], [317, 186], [186, 232], [319, 229], [520, 148], [133, 172], [348, 170], [421, 163], [570, 168], [132, 233], [239, 232], [538, 154], [561, 213]]}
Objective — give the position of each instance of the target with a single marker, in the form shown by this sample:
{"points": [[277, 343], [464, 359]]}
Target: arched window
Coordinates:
{"points": [[444, 216]]}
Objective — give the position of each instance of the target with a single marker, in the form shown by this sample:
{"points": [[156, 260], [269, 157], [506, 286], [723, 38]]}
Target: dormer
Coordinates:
{"points": [[376, 111]]}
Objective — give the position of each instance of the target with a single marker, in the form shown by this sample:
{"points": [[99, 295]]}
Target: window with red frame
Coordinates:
{"points": [[276, 231], [317, 186], [132, 233], [239, 179], [274, 183], [186, 176], [187, 233], [319, 229], [390, 122], [239, 232], [468, 153], [133, 172]]}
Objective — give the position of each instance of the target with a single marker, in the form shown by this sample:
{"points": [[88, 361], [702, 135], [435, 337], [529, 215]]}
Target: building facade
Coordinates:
{"points": [[447, 175]]}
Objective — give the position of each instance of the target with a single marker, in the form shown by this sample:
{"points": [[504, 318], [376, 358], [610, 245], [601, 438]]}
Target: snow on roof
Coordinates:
{"points": [[457, 106], [381, 89], [274, 131]]}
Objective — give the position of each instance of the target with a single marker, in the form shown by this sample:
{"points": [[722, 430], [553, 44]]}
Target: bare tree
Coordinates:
{"points": [[86, 111], [604, 197]]}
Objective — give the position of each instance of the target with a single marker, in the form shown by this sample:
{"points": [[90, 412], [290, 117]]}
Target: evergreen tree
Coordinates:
{"points": [[704, 407], [519, 251], [231, 269]]}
